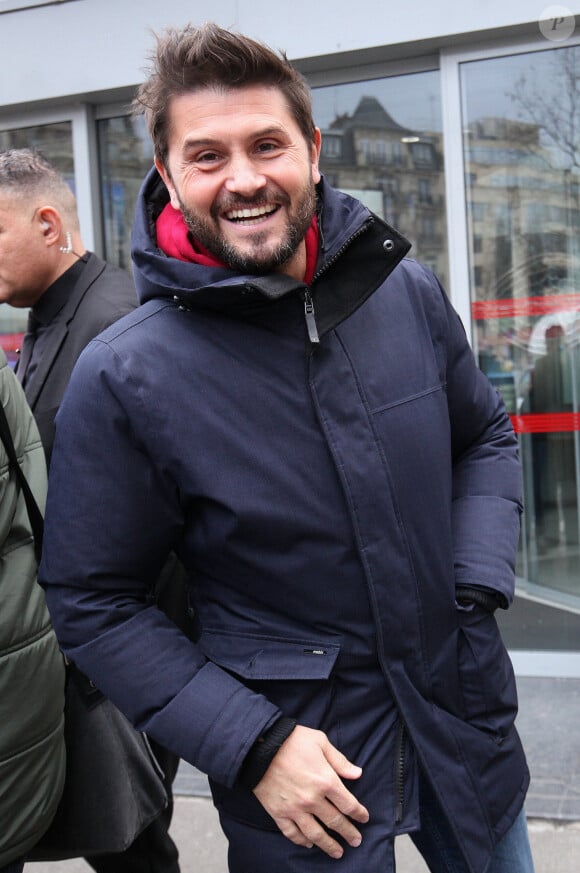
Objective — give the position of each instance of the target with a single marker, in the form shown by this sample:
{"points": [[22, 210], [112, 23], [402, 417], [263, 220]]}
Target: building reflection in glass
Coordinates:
{"points": [[522, 182]]}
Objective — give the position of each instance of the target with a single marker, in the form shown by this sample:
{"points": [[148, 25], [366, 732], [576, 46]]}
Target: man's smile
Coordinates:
{"points": [[250, 215]]}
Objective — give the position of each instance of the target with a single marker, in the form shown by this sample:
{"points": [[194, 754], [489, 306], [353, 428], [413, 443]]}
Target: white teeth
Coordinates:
{"points": [[256, 212]]}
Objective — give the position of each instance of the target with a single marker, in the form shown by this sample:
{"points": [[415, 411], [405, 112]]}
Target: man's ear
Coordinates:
{"points": [[166, 176], [315, 155], [49, 223]]}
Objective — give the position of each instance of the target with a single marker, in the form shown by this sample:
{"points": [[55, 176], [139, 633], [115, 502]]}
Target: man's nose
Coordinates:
{"points": [[244, 177]]}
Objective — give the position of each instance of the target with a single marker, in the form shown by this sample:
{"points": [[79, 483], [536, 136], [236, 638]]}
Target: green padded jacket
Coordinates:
{"points": [[32, 755]]}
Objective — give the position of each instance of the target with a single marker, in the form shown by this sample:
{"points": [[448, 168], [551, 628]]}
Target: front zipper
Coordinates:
{"points": [[400, 761], [309, 313], [310, 317]]}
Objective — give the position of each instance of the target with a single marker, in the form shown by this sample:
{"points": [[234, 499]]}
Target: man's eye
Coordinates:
{"points": [[267, 146], [207, 158]]}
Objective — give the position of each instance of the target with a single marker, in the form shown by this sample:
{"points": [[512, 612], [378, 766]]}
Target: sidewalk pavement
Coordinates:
{"points": [[548, 723], [203, 848]]}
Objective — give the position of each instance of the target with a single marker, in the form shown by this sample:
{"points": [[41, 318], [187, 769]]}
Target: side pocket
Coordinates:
{"points": [[486, 673]]}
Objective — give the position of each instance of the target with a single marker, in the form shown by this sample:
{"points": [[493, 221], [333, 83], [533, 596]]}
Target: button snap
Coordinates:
{"points": [[388, 245]]}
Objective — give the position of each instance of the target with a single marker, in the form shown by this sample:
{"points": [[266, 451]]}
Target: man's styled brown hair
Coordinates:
{"points": [[208, 56]]}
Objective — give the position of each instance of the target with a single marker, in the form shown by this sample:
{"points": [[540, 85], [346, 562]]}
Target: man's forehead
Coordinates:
{"points": [[234, 92], [210, 104]]}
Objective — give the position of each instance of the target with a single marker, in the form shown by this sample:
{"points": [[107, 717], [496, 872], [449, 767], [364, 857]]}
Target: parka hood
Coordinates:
{"points": [[341, 219]]}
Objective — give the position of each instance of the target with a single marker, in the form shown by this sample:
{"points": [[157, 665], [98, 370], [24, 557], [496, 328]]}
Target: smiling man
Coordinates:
{"points": [[294, 409]]}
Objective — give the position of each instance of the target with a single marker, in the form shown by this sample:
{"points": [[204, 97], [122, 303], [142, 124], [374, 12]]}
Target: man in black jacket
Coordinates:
{"points": [[73, 295]]}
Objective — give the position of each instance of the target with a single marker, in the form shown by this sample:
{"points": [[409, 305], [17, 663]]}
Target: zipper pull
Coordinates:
{"points": [[310, 318]]}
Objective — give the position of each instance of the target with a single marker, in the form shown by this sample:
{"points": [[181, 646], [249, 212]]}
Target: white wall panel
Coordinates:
{"points": [[83, 46]]}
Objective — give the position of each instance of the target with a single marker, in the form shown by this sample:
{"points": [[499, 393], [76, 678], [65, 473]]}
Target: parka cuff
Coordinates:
{"points": [[485, 597], [262, 752]]}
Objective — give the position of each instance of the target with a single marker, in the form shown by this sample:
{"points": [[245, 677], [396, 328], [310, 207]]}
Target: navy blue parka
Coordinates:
{"points": [[329, 463]]}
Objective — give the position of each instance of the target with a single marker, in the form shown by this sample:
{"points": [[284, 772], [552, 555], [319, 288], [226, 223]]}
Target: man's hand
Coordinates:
{"points": [[302, 790]]}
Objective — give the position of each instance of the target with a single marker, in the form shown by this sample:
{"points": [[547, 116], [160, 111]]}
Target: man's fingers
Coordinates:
{"points": [[308, 831], [347, 804], [336, 821], [337, 793], [318, 836], [293, 833], [340, 763]]}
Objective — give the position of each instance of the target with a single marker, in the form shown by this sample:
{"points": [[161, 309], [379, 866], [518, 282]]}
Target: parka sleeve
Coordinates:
{"points": [[487, 480], [113, 514]]}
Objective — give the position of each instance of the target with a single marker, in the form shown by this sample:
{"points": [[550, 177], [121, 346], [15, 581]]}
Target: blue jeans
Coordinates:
{"points": [[437, 845]]}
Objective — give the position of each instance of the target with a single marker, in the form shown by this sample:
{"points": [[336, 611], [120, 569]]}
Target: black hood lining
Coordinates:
{"points": [[367, 262]]}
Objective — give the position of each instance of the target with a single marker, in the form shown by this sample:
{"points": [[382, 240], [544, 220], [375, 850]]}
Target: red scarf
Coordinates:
{"points": [[174, 240]]}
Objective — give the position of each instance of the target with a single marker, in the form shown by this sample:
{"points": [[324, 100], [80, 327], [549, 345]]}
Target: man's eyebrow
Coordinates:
{"points": [[268, 131], [204, 142]]}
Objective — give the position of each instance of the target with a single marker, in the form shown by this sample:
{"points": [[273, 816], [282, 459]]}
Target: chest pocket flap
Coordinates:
{"points": [[259, 657]]}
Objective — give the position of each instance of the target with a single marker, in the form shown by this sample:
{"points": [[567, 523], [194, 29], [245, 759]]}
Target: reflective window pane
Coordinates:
{"points": [[55, 143], [521, 123], [382, 142], [126, 155]]}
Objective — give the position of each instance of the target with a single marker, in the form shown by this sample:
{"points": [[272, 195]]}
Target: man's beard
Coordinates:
{"points": [[262, 258]]}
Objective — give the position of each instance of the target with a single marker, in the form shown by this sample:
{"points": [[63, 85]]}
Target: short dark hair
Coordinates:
{"points": [[208, 56], [28, 174]]}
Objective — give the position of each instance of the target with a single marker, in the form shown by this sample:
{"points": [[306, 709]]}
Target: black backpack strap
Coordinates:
{"points": [[34, 513]]}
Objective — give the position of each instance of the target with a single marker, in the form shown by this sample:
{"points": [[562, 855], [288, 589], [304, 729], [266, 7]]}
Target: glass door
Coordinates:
{"points": [[521, 146]]}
